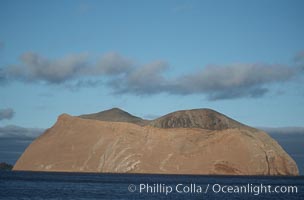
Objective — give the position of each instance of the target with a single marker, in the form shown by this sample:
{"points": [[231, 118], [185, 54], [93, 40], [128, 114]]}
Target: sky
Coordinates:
{"points": [[244, 59]]}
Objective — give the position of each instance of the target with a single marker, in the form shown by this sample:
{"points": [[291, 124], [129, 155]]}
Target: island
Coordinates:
{"points": [[5, 166], [198, 141]]}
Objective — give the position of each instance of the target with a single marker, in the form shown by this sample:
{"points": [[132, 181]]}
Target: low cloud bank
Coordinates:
{"points": [[7, 113]]}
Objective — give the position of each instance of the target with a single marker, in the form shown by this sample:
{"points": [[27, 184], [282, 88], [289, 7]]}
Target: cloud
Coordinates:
{"points": [[6, 113], [35, 67], [113, 64], [283, 130], [144, 80], [233, 81], [299, 57], [125, 76], [14, 140], [217, 82], [13, 131]]}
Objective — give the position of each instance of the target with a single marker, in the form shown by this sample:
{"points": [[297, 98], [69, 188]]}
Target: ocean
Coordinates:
{"points": [[53, 186], [293, 145]]}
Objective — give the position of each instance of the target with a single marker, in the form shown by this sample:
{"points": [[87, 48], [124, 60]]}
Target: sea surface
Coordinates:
{"points": [[46, 185], [293, 144]]}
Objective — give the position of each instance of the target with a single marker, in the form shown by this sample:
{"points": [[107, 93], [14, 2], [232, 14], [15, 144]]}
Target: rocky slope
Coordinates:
{"points": [[197, 118], [198, 141]]}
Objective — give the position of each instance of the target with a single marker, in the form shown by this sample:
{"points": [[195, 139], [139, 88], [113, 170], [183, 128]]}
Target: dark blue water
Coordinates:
{"points": [[293, 145], [38, 185]]}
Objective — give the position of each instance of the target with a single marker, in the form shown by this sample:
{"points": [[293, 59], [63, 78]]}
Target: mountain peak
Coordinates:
{"points": [[197, 118], [114, 115], [115, 109], [203, 118]]}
